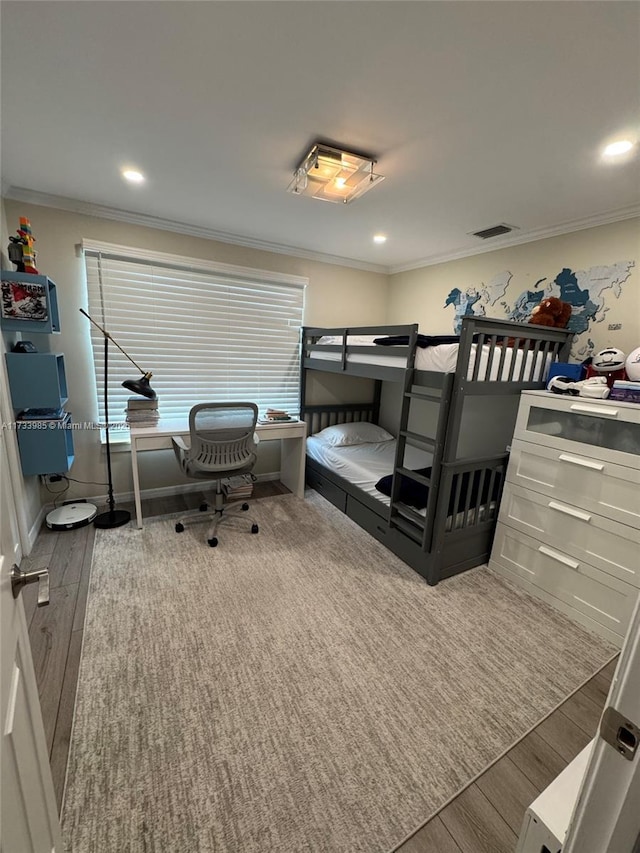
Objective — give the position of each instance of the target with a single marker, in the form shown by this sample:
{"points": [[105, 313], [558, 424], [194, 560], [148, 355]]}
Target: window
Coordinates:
{"points": [[207, 332]]}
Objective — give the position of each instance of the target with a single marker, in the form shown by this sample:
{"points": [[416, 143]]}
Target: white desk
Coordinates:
{"points": [[158, 437]]}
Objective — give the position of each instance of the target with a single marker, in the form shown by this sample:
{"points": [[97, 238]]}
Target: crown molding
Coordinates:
{"points": [[498, 243], [102, 211]]}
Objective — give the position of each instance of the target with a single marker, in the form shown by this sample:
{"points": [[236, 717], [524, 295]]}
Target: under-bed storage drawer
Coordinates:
{"points": [[367, 519], [586, 593], [605, 544], [326, 488], [595, 485]]}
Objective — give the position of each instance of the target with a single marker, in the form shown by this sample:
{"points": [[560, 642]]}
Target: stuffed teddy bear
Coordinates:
{"points": [[551, 312]]}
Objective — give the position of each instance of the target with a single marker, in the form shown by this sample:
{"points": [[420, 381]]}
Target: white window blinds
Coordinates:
{"points": [[232, 334]]}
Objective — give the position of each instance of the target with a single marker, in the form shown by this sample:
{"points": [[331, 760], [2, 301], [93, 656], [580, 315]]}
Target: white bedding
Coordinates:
{"points": [[441, 359], [364, 464]]}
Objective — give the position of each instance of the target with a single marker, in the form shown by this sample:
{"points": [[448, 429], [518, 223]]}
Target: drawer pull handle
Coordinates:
{"points": [[585, 463], [559, 557], [569, 510], [594, 410]]}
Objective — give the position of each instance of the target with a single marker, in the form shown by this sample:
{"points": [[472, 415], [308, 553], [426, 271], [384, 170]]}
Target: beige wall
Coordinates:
{"points": [[420, 295], [26, 491], [335, 295]]}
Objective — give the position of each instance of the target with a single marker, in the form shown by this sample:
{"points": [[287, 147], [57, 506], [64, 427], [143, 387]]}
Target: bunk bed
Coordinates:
{"points": [[449, 409]]}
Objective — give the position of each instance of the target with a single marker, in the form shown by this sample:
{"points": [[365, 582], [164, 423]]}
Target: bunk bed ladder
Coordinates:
{"points": [[403, 432], [410, 522]]}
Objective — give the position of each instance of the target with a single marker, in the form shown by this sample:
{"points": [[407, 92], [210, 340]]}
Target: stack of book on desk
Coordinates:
{"points": [[238, 488], [275, 416], [142, 412]]}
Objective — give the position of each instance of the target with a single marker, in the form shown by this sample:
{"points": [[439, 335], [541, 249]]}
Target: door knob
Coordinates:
{"points": [[20, 579]]}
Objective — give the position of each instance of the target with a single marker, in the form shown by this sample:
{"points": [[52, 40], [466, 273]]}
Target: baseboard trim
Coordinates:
{"points": [[34, 530], [161, 492]]}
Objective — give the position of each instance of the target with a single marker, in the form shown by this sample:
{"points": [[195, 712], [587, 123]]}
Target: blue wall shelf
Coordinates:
{"points": [[37, 380], [46, 447], [32, 308]]}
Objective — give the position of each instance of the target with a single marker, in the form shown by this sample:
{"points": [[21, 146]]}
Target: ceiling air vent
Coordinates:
{"points": [[494, 231]]}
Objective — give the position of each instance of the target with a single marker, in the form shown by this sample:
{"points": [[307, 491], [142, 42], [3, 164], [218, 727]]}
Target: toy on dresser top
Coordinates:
{"points": [[609, 364], [610, 374], [595, 387], [625, 392]]}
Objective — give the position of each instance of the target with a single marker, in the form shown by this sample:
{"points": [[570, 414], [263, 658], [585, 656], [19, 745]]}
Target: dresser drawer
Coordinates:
{"points": [[602, 598], [598, 486], [597, 428], [605, 544]]}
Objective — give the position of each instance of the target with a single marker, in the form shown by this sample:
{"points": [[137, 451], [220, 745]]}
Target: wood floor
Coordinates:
{"points": [[485, 818]]}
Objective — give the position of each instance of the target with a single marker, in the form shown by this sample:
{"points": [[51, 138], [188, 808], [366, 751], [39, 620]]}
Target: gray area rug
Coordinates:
{"points": [[298, 690]]}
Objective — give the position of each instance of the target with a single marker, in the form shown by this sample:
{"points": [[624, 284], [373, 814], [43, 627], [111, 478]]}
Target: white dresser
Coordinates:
{"points": [[569, 524]]}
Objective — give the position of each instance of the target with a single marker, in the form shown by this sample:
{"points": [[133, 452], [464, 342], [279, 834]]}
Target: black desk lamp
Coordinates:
{"points": [[117, 517]]}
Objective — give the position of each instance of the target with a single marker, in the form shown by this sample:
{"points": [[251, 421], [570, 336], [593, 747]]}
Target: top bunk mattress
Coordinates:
{"points": [[443, 359]]}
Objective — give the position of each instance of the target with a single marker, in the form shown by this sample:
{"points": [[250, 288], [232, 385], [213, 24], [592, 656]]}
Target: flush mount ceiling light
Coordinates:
{"points": [[331, 174]]}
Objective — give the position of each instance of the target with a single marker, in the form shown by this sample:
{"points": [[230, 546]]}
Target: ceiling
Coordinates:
{"points": [[478, 113]]}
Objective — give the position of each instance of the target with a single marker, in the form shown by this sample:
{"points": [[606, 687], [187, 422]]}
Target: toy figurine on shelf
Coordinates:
{"points": [[21, 251]]}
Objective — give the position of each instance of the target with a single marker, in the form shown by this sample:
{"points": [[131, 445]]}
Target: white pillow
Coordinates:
{"points": [[362, 432]]}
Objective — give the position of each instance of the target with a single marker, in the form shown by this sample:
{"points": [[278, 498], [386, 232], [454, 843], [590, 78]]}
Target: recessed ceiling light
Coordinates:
{"points": [[617, 148], [133, 176], [380, 238]]}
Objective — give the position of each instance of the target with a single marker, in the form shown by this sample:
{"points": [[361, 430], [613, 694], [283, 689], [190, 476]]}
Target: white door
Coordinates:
{"points": [[606, 818], [28, 813]]}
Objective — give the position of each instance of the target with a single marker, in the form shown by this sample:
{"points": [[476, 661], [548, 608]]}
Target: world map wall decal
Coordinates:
{"points": [[586, 290]]}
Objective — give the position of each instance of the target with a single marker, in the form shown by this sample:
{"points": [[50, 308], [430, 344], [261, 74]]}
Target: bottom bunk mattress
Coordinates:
{"points": [[364, 465]]}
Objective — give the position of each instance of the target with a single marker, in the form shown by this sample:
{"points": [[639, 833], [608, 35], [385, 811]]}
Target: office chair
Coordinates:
{"points": [[222, 444]]}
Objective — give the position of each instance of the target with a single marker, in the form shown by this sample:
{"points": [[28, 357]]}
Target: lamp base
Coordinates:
{"points": [[112, 518]]}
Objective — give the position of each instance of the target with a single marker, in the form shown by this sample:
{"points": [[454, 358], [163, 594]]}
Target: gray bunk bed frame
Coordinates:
{"points": [[433, 546]]}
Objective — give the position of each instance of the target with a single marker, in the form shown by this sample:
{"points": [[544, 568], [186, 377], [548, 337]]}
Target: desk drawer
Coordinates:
{"points": [[605, 544], [600, 597], [601, 487], [326, 488]]}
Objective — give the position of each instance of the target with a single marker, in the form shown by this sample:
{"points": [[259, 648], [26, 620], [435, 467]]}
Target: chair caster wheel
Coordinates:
{"points": [[213, 542], [203, 507], [254, 528], [245, 507], [179, 527]]}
